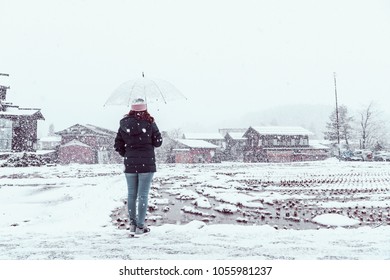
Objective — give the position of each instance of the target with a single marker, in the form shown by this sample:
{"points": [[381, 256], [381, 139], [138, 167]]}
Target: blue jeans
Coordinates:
{"points": [[138, 186]]}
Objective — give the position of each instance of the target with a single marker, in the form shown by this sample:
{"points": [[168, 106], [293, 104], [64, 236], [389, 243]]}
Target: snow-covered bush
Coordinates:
{"points": [[25, 160]]}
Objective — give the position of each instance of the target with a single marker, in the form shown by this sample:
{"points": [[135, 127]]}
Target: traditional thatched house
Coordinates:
{"points": [[18, 126], [280, 144], [89, 139]]}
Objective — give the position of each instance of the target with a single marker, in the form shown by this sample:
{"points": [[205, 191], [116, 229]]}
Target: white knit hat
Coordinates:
{"points": [[138, 104]]}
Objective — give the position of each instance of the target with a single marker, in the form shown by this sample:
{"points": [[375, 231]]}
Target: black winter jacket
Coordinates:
{"points": [[135, 141]]}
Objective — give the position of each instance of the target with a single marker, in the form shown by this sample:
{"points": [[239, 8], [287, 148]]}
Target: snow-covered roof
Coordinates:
{"points": [[181, 150], [203, 136], [282, 130], [196, 143], [237, 135], [88, 128], [44, 152], [16, 111], [50, 139], [100, 129], [318, 144], [225, 131], [75, 143]]}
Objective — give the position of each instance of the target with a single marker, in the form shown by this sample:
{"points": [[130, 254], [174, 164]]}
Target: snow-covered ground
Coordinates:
{"points": [[339, 210]]}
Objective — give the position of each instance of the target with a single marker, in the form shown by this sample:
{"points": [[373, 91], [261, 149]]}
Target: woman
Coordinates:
{"points": [[136, 139]]}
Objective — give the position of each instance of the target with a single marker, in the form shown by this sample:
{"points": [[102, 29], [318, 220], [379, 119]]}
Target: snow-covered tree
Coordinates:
{"points": [[165, 153], [51, 130], [344, 126]]}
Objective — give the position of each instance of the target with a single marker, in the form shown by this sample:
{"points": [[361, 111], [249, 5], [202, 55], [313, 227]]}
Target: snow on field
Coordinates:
{"points": [[335, 220], [310, 210]]}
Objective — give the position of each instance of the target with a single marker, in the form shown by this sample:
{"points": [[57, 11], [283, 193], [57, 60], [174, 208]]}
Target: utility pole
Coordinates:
{"points": [[337, 115]]}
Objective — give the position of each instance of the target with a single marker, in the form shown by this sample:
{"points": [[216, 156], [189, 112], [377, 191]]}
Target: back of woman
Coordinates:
{"points": [[136, 139]]}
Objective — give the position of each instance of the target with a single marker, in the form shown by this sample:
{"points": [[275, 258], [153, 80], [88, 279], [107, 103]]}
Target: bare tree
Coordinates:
{"points": [[372, 130]]}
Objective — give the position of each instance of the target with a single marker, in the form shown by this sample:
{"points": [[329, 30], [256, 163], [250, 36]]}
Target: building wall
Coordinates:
{"points": [[269, 141], [280, 156], [279, 148], [194, 156], [76, 154], [102, 145], [312, 154], [234, 149], [24, 134]]}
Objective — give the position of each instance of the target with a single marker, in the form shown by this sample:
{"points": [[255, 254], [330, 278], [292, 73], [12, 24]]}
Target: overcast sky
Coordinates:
{"points": [[228, 57]]}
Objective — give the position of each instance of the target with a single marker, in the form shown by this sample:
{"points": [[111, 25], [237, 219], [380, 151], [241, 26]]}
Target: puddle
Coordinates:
{"points": [[281, 214]]}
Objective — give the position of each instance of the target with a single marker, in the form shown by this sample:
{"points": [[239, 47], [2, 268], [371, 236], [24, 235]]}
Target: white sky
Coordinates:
{"points": [[227, 57]]}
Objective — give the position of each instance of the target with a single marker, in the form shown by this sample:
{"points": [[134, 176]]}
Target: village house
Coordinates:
{"points": [[194, 151], [280, 144], [234, 143], [18, 126], [87, 144], [213, 138]]}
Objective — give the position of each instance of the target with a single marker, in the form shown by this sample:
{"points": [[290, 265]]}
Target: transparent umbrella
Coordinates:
{"points": [[152, 90]]}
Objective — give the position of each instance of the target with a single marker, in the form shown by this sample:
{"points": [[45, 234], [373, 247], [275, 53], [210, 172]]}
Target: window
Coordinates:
{"points": [[5, 134]]}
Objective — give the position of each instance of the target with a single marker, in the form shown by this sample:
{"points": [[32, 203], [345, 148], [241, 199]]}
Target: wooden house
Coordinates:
{"points": [[234, 143], [89, 138], [18, 126], [280, 144], [195, 151]]}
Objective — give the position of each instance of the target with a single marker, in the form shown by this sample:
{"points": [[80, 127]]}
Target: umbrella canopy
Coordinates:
{"points": [[151, 90]]}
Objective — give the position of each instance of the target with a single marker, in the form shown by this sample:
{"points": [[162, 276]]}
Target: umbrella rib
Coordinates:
{"points": [[159, 91], [132, 88]]}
